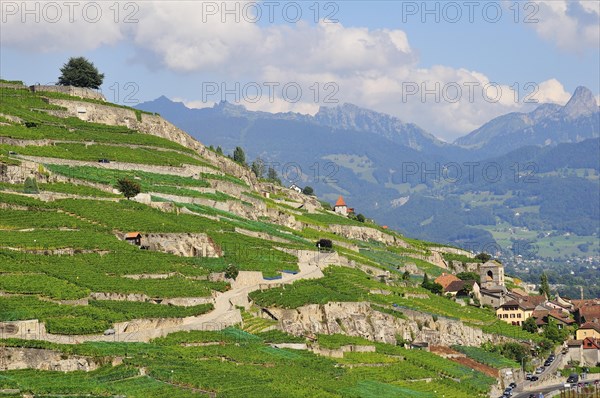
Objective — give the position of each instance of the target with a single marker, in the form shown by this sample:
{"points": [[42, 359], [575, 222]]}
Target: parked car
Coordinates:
{"points": [[528, 376], [12, 153], [547, 363], [508, 392], [513, 385], [103, 161], [573, 378], [540, 370], [534, 378]]}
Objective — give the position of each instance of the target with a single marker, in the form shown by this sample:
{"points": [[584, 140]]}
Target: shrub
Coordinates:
{"points": [[128, 188], [231, 272], [31, 186]]}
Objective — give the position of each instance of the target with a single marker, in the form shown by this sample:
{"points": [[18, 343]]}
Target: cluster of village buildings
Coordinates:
{"points": [[515, 306]]}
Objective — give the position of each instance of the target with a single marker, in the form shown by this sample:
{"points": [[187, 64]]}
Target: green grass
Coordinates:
{"points": [[92, 153], [140, 310], [39, 219], [93, 318], [24, 104], [110, 176], [492, 359], [241, 363], [326, 219], [42, 285]]}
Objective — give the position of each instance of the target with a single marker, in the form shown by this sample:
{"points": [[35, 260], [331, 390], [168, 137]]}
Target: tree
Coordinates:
{"points": [[128, 187], [360, 217], [514, 351], [433, 287], [80, 72], [308, 191], [468, 276], [553, 333], [238, 155], [324, 244], [272, 176], [529, 325], [231, 272], [219, 150], [544, 286], [258, 168], [31, 186], [406, 276], [484, 257]]}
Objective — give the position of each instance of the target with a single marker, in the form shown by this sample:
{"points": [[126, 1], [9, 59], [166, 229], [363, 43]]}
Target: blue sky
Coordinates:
{"points": [[371, 56]]}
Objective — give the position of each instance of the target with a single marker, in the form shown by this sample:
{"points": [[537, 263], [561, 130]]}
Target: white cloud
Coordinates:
{"points": [[373, 68], [573, 25], [551, 91], [55, 26], [193, 104]]}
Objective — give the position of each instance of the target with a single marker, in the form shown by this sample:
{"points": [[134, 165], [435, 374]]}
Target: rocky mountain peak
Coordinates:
{"points": [[582, 103], [229, 109]]}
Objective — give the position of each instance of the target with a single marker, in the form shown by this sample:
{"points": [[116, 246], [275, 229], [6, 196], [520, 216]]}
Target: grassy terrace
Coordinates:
{"points": [[88, 225], [110, 176], [178, 365], [29, 107], [149, 182], [92, 153], [492, 359], [93, 318], [64, 188], [392, 260], [351, 285]]}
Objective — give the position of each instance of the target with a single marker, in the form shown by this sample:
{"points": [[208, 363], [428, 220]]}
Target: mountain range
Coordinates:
{"points": [[403, 176]]}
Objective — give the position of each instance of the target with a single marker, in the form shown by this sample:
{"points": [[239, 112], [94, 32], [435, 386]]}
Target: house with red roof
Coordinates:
{"points": [[446, 279], [134, 238], [589, 312], [586, 352], [340, 207]]}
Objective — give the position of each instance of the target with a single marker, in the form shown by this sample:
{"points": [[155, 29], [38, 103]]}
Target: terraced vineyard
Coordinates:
{"points": [[64, 262], [231, 363]]}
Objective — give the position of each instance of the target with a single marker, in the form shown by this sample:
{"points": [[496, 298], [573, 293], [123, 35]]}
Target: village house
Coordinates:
{"points": [[296, 188], [515, 312], [560, 304], [340, 207], [589, 329], [462, 288], [494, 297], [585, 352], [446, 279], [589, 311], [543, 313]]}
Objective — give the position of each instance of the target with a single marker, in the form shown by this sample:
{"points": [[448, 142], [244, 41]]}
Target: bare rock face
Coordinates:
{"points": [[458, 267], [18, 174], [366, 234], [185, 245], [359, 319], [154, 125], [12, 358]]}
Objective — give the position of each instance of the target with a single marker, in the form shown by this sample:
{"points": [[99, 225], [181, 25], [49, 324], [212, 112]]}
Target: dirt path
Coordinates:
{"points": [[455, 356]]}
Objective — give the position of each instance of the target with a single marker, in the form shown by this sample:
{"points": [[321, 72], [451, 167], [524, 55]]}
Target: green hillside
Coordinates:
{"points": [[64, 262]]}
